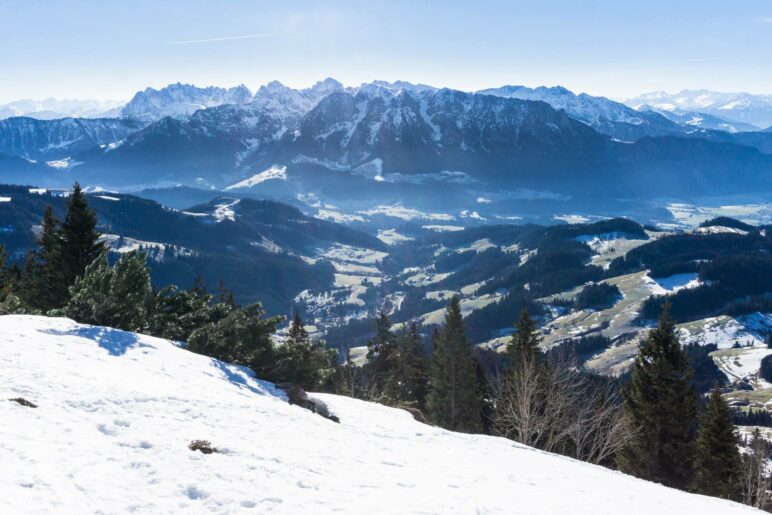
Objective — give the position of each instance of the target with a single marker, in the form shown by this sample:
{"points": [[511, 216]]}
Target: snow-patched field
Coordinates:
{"points": [[117, 410]]}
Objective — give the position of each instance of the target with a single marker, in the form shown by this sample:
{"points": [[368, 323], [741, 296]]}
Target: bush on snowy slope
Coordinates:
{"points": [[117, 411]]}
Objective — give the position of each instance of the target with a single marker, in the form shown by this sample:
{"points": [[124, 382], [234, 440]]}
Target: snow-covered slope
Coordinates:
{"points": [[117, 410]]}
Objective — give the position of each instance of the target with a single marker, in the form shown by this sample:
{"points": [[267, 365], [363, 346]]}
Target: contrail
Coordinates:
{"points": [[227, 38]]}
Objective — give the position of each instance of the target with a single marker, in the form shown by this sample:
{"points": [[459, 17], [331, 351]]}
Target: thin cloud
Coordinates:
{"points": [[227, 38]]}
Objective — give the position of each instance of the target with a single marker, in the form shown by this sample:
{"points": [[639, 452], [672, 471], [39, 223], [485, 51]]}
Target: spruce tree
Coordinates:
{"points": [[453, 402], [79, 238], [717, 459], [300, 361], [662, 404], [43, 284], [525, 341], [379, 346], [406, 382]]}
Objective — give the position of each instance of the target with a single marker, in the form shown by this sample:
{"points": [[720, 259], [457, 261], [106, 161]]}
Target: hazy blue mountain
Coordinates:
{"points": [[746, 108], [59, 139]]}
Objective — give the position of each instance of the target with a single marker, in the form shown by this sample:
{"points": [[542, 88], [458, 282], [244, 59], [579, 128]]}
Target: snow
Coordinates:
{"points": [[117, 410], [108, 197], [392, 237], [610, 245], [724, 331], [405, 213], [674, 283], [5, 199], [272, 173], [571, 219], [689, 216], [225, 211], [338, 217], [443, 228], [63, 164], [478, 246]]}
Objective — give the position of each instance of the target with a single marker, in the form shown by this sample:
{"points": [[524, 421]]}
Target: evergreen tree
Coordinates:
{"points": [[525, 340], [300, 361], [717, 459], [42, 284], [381, 344], [79, 239], [406, 382], [117, 296], [175, 313], [663, 407], [237, 335], [453, 402]]}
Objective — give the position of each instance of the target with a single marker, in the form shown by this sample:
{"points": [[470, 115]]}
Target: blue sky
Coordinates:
{"points": [[110, 49]]}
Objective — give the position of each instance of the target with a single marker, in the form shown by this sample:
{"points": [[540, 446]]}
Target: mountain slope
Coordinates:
{"points": [[264, 251], [59, 139], [604, 115], [117, 410]]}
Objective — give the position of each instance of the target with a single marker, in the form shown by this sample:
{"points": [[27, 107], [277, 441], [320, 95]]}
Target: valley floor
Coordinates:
{"points": [[116, 411]]}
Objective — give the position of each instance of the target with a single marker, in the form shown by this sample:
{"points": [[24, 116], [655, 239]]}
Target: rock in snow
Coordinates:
{"points": [[117, 411]]}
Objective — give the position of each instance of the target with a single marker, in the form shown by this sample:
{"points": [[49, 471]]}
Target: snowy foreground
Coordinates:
{"points": [[116, 412]]}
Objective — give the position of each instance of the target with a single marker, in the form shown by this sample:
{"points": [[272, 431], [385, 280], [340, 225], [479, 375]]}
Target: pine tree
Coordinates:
{"points": [[717, 459], [117, 296], [79, 238], [175, 314], [241, 336], [453, 402], [300, 361], [663, 406], [406, 382], [525, 340]]}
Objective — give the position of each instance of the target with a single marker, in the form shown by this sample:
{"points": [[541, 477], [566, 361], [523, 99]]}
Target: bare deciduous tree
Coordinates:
{"points": [[754, 481], [558, 409]]}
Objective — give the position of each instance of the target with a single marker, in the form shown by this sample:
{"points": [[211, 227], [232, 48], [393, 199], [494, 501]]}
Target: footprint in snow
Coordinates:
{"points": [[306, 484]]}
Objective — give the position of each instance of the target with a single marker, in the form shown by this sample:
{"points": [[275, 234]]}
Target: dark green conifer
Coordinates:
{"points": [[300, 361], [717, 459], [406, 382], [79, 239], [663, 406], [525, 340], [453, 402]]}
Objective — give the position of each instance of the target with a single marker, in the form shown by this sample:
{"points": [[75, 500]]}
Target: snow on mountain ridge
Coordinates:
{"points": [[181, 100], [599, 112]]}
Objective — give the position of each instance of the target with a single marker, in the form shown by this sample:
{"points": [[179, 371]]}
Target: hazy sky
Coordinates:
{"points": [[111, 49]]}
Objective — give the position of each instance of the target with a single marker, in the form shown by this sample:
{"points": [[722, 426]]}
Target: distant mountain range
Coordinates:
{"points": [[389, 140], [51, 108], [741, 108]]}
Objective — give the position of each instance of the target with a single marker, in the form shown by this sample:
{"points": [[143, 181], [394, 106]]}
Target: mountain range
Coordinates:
{"points": [[390, 140]]}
